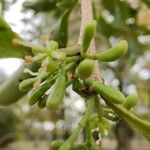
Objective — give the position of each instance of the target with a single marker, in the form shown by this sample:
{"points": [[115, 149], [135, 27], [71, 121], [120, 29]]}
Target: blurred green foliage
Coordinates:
{"points": [[124, 24], [8, 126], [61, 9]]}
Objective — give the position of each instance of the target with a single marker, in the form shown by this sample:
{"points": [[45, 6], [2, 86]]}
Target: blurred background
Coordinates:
{"points": [[23, 127]]}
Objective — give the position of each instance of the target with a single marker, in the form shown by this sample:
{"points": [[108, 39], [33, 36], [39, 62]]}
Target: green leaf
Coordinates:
{"points": [[9, 90], [88, 34], [41, 5], [106, 28], [57, 6], [121, 10], [136, 123], [65, 4], [7, 48], [147, 2], [60, 32], [108, 5]]}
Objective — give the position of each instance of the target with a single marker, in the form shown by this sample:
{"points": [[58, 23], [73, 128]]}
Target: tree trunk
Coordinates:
{"points": [[123, 134]]}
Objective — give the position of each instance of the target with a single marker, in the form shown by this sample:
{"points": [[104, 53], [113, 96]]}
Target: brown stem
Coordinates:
{"points": [[87, 16]]}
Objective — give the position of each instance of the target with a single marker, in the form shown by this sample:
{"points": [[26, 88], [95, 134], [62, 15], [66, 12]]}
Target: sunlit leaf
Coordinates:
{"points": [[136, 123], [7, 48]]}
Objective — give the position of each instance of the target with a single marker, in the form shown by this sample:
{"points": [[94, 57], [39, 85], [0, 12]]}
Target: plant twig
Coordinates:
{"points": [[87, 16], [90, 104]]}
